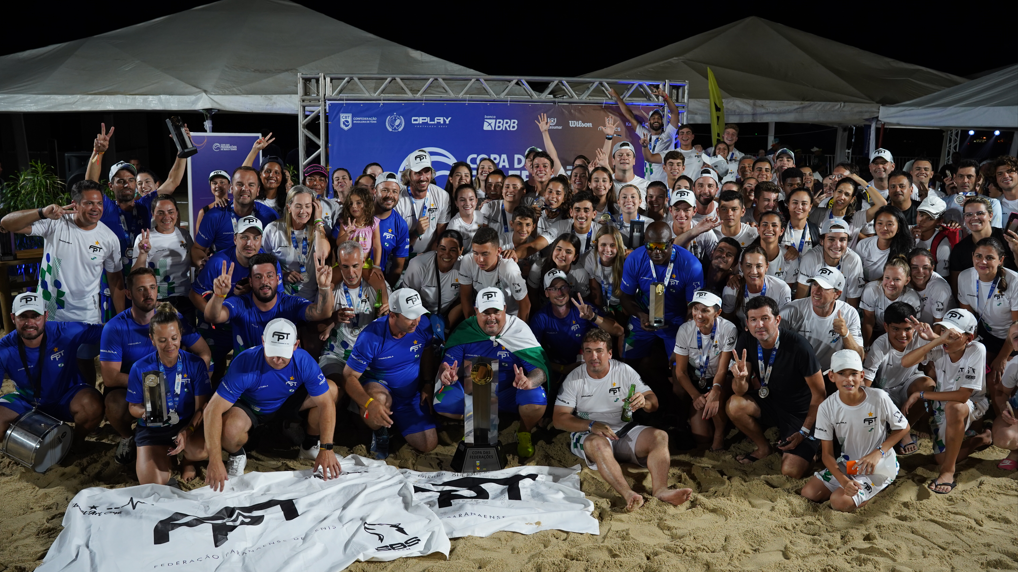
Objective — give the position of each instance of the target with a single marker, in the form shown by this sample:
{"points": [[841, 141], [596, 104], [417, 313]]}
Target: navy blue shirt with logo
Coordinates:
{"points": [[194, 382], [219, 225], [248, 322], [390, 361], [262, 387]]}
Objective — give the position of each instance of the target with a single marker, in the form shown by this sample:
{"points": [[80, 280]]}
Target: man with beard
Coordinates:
{"points": [[36, 356], [220, 225], [125, 340], [834, 252], [423, 205], [248, 313], [967, 180], [826, 322], [881, 166], [522, 367], [706, 188], [394, 230], [697, 239], [656, 137], [436, 276]]}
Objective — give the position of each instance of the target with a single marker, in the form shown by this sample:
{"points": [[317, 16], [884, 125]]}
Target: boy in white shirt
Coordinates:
{"points": [[959, 397], [858, 416]]}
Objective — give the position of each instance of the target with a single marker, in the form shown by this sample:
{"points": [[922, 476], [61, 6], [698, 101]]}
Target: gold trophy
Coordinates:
{"points": [[656, 304], [480, 450]]}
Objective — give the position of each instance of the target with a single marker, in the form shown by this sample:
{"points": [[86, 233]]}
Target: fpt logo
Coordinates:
{"points": [[395, 123], [438, 155], [492, 123], [345, 121]]}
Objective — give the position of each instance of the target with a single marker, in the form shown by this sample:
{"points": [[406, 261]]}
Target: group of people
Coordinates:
{"points": [[643, 307]]}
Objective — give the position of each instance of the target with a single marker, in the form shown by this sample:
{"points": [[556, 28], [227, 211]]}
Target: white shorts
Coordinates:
{"points": [[332, 365], [624, 449], [867, 490], [939, 421], [899, 393]]}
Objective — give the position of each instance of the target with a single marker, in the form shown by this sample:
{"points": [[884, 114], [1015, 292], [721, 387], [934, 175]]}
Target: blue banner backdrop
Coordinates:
{"points": [[386, 133], [216, 152]]}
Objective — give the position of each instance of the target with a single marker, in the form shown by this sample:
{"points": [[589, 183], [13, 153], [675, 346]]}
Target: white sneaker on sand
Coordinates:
{"points": [[235, 464], [310, 454]]}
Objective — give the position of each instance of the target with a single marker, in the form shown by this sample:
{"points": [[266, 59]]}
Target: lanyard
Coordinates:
{"points": [[745, 290], [590, 233], [438, 284], [413, 205], [235, 218], [993, 288], [505, 219], [176, 383], [132, 230], [668, 272], [303, 249], [765, 374], [606, 283], [34, 380], [802, 238], [699, 347]]}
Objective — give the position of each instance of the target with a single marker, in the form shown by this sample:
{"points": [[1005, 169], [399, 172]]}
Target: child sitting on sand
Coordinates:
{"points": [[858, 416]]}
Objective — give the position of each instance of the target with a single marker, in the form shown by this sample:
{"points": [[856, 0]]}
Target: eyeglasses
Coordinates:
{"points": [[564, 289], [658, 246], [975, 214]]}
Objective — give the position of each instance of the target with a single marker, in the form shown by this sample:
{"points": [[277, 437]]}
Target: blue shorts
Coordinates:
{"points": [[407, 414], [450, 400], [60, 409], [639, 342], [159, 436]]}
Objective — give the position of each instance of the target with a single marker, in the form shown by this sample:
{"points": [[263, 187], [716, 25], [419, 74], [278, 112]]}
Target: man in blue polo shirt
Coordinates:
{"points": [[220, 224], [383, 374], [249, 313], [125, 341], [39, 356], [394, 232], [271, 382]]}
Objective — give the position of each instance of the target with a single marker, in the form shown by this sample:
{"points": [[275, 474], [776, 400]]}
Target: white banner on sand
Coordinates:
{"points": [[282, 521], [522, 499]]}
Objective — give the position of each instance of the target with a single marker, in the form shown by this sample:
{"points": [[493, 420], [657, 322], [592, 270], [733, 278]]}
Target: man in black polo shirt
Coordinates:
{"points": [[788, 400]]}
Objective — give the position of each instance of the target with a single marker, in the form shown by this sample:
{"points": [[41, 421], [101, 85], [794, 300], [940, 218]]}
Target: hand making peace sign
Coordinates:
{"points": [[224, 282]]}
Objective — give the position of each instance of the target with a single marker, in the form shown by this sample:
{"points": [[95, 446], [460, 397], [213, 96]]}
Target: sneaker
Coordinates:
{"points": [[380, 444], [524, 447], [310, 454], [236, 463], [127, 451]]}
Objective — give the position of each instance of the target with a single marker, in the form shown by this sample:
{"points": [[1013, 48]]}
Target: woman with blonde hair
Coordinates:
{"points": [[297, 239]]}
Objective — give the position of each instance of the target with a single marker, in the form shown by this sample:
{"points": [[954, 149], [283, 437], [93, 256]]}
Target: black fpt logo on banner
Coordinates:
{"points": [[224, 522]]}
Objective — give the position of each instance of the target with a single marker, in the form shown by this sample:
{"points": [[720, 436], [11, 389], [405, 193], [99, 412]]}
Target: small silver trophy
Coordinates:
{"points": [[157, 411], [656, 304]]}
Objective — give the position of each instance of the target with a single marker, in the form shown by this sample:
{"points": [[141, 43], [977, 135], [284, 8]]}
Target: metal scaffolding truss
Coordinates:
{"points": [[315, 91]]}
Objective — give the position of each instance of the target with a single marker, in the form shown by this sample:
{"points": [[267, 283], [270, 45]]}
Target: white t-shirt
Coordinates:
{"points": [[703, 245], [723, 341], [640, 183], [1006, 208], [506, 277], [744, 237], [935, 300], [465, 229], [603, 275], [362, 299], [787, 270], [1010, 377], [420, 275], [492, 215], [967, 372], [860, 428], [659, 145], [600, 400], [798, 316], [792, 237], [874, 300], [943, 254], [873, 259], [850, 266], [277, 241], [170, 258], [883, 363], [271, 203], [995, 313], [776, 289], [73, 261], [693, 162], [711, 213], [436, 201], [550, 229]]}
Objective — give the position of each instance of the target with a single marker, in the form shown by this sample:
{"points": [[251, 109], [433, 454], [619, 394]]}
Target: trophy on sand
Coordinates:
{"points": [[480, 449]]}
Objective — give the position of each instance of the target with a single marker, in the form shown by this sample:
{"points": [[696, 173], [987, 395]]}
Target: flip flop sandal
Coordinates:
{"points": [[900, 449], [934, 484], [741, 459], [1008, 465]]}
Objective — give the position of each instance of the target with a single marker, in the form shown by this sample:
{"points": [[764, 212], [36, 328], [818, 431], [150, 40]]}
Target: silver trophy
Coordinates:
{"points": [[656, 304], [157, 410]]}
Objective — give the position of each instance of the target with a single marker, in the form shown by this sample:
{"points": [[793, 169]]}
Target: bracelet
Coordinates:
{"points": [[368, 402], [591, 426], [715, 385], [223, 296], [191, 428], [881, 452], [805, 433], [921, 396], [319, 221], [608, 137], [41, 216]]}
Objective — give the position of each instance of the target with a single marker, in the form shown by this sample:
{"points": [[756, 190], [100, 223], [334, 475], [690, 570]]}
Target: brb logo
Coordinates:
{"points": [[395, 123], [224, 522], [491, 123]]}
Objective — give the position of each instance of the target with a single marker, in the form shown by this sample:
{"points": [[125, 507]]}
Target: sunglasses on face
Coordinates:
{"points": [[658, 246]]}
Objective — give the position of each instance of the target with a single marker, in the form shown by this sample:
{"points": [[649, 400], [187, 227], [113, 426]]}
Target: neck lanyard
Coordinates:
{"points": [[668, 272], [303, 248], [132, 230], [745, 289], [505, 219], [699, 347], [413, 205], [438, 284], [590, 233], [606, 283], [802, 239], [34, 380], [178, 380], [993, 288], [765, 373]]}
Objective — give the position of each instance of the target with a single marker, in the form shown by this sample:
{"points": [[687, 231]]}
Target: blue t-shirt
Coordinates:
{"points": [[484, 348], [263, 388], [213, 268], [59, 368], [127, 341], [395, 363], [395, 237], [248, 322], [137, 219], [217, 226], [194, 382], [562, 338], [686, 278]]}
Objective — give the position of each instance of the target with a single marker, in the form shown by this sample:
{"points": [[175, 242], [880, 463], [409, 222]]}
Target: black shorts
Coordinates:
{"points": [[288, 411], [788, 424], [159, 436]]}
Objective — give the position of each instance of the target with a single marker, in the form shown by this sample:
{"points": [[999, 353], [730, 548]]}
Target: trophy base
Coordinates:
{"points": [[473, 458]]}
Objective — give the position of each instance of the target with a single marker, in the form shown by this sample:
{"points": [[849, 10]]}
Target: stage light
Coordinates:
{"points": [[971, 132], [996, 132]]}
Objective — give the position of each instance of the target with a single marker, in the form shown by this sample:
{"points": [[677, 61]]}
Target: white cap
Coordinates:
{"points": [[552, 274], [623, 145], [418, 161], [705, 297], [121, 166], [407, 302], [846, 359], [388, 177], [279, 338], [933, 205], [489, 298], [249, 222], [720, 164], [882, 153], [657, 110], [683, 196], [219, 173], [828, 277], [960, 320], [785, 151], [29, 301], [835, 225], [708, 172]]}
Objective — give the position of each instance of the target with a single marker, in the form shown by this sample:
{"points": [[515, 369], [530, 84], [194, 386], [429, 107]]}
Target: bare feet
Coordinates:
{"points": [[674, 496], [187, 471], [633, 501]]}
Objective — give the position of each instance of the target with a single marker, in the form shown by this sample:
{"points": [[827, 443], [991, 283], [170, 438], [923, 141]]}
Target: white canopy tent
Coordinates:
{"points": [[989, 102], [768, 72], [233, 55]]}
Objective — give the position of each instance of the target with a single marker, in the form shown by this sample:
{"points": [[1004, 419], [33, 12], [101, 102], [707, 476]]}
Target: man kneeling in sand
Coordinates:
{"points": [[590, 404]]}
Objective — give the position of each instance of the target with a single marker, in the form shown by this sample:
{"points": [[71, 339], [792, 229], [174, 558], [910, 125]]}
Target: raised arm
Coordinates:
{"points": [[259, 145], [673, 110], [99, 147], [20, 222], [215, 312], [543, 124], [323, 306], [626, 112]]}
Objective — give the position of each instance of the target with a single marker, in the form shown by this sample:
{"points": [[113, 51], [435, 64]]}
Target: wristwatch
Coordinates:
{"points": [[326, 446]]}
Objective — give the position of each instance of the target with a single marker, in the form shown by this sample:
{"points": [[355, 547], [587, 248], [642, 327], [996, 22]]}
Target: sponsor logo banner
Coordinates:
{"points": [[216, 152]]}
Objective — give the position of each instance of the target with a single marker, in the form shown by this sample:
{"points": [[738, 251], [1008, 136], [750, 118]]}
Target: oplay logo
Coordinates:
{"points": [[395, 123], [580, 124], [345, 121], [430, 121], [491, 123], [223, 147], [438, 155]]}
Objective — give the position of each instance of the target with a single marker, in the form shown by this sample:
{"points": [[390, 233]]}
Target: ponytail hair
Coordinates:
{"points": [[165, 314], [995, 244]]}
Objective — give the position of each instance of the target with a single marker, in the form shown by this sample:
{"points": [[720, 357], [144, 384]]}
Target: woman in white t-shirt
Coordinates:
{"points": [[630, 222], [893, 238], [935, 294], [797, 233], [564, 255], [605, 269], [878, 295], [842, 205], [990, 291], [772, 228], [703, 350], [603, 187], [167, 251], [292, 240], [754, 282], [466, 220]]}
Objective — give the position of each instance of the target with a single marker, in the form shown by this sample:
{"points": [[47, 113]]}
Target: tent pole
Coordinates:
{"points": [[873, 139], [839, 148], [770, 134]]}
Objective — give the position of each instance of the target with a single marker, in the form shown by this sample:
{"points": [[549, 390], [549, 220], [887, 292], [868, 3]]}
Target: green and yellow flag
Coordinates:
{"points": [[717, 109]]}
